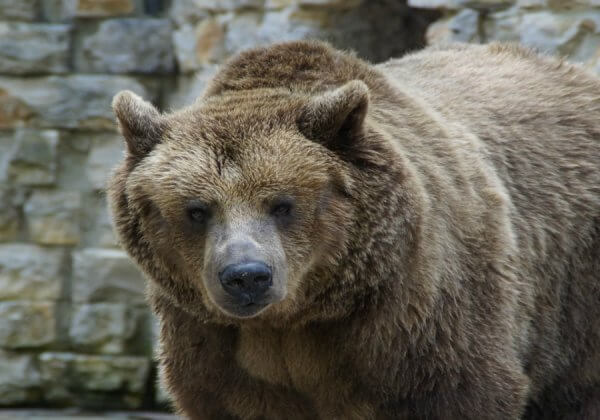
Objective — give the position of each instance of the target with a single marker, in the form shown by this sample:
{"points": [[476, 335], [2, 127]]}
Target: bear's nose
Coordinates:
{"points": [[247, 281]]}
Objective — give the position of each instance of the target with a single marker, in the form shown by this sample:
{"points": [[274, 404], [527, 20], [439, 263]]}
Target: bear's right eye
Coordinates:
{"points": [[198, 213]]}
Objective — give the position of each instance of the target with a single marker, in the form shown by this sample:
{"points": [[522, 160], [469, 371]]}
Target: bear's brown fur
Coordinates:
{"points": [[440, 258]]}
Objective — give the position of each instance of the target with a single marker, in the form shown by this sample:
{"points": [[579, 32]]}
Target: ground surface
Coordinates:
{"points": [[35, 414]]}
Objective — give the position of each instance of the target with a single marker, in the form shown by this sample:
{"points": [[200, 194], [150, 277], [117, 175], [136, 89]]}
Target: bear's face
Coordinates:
{"points": [[242, 194]]}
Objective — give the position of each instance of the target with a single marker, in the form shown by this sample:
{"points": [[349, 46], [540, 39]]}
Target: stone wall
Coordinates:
{"points": [[566, 28], [74, 329]]}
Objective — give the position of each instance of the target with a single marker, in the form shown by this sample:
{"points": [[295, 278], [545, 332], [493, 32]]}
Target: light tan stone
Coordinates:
{"points": [[53, 217], [131, 45], [34, 48], [208, 36], [13, 110], [9, 214], [30, 272], [74, 101], [19, 378], [96, 381], [462, 27], [433, 4], [197, 45], [340, 4], [105, 153], [26, 10], [33, 158], [102, 327], [101, 8], [106, 275], [27, 324]]}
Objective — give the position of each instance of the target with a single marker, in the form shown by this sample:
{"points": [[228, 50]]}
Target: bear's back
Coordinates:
{"points": [[536, 121]]}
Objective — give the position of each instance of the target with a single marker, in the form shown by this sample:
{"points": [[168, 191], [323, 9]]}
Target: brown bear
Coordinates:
{"points": [[418, 239]]}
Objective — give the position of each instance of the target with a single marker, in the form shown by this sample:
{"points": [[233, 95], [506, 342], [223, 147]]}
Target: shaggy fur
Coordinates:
{"points": [[442, 260]]}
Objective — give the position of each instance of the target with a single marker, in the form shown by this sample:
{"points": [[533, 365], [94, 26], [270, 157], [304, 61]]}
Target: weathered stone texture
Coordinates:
{"points": [[462, 27], [567, 28], [105, 154], [434, 4], [97, 225], [9, 213], [77, 101], [30, 272], [98, 8], [198, 45], [187, 89], [34, 48], [94, 381], [363, 26], [25, 10], [128, 46], [27, 324], [103, 327], [345, 4], [33, 158], [53, 217], [106, 275], [19, 378], [227, 5]]}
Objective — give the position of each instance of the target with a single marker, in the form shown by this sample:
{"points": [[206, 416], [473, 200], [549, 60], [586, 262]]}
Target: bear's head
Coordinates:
{"points": [[228, 204]]}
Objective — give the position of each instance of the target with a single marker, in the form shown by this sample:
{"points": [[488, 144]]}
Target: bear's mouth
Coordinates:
{"points": [[246, 310]]}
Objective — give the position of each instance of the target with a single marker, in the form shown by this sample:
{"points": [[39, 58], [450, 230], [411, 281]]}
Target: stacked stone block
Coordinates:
{"points": [[74, 327]]}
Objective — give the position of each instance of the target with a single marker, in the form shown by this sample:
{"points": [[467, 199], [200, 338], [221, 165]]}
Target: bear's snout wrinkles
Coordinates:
{"points": [[246, 282]]}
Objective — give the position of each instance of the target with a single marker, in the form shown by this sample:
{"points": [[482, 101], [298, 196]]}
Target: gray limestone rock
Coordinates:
{"points": [[106, 275], [25, 10], [105, 154], [73, 102], [33, 158], [103, 327], [31, 272], [27, 324], [128, 46], [94, 381], [34, 48], [9, 213], [53, 217], [19, 378]]}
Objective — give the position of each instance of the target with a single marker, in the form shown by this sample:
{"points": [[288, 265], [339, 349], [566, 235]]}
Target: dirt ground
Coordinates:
{"points": [[40, 414]]}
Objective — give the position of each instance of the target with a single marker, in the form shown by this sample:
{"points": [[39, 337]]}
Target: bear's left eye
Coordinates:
{"points": [[199, 213], [282, 208]]}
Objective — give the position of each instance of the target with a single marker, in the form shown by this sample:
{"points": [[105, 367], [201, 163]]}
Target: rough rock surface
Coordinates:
{"points": [[32, 48], [567, 28], [71, 102], [39, 319], [106, 275], [92, 380], [31, 272], [128, 46]]}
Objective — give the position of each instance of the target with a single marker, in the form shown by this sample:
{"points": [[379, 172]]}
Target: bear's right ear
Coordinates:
{"points": [[140, 123], [336, 118]]}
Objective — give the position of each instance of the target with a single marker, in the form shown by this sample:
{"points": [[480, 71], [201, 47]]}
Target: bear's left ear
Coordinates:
{"points": [[335, 118], [139, 121]]}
